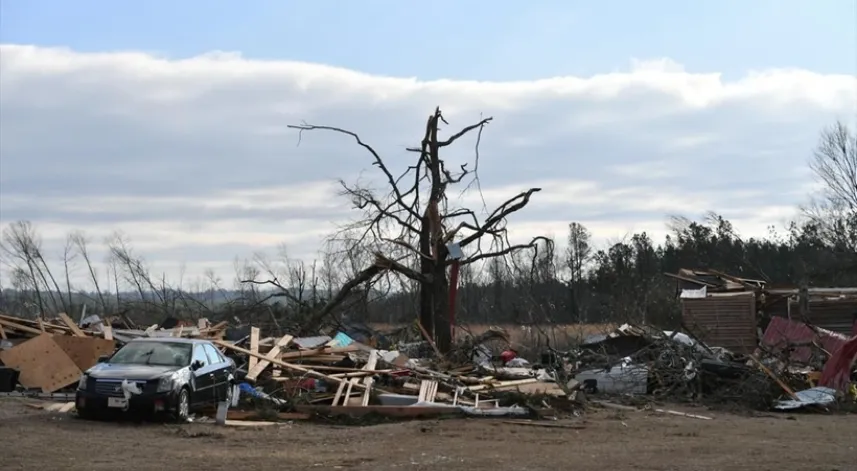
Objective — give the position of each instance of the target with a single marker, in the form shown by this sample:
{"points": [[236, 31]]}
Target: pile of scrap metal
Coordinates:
{"points": [[675, 366]]}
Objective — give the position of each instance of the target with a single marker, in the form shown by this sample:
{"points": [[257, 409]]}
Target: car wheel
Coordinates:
{"points": [[182, 409]]}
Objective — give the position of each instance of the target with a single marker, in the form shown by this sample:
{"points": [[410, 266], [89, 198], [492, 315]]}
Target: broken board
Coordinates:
{"points": [[42, 363], [84, 351]]}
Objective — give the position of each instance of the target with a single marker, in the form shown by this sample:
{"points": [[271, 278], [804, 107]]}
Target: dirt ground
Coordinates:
{"points": [[609, 440]]}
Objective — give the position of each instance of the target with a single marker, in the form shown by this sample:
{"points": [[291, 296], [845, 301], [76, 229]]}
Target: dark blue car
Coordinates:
{"points": [[172, 376]]}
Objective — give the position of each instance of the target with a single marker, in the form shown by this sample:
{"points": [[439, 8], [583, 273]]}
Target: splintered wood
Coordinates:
{"points": [[71, 325], [259, 367]]}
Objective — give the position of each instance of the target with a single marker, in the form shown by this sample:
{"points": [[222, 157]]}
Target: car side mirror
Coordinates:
{"points": [[196, 365], [103, 358]]}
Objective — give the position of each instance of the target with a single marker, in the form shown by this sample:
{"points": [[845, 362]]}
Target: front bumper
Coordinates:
{"points": [[147, 403]]}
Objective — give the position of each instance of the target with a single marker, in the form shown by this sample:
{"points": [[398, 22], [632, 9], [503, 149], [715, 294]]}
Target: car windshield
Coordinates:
{"points": [[153, 353]]}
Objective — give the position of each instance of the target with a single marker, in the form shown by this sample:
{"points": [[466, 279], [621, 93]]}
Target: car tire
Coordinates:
{"points": [[181, 412]]}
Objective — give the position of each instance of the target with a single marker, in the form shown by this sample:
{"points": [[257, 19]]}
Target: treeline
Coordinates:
{"points": [[582, 283], [579, 283], [626, 281]]}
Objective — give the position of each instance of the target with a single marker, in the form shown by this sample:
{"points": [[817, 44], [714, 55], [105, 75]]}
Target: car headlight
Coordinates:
{"points": [[81, 383], [166, 384]]}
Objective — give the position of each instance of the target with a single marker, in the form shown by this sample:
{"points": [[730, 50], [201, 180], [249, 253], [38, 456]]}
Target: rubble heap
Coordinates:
{"points": [[362, 373]]}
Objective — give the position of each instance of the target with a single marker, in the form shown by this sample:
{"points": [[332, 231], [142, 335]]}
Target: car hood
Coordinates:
{"points": [[117, 371]]}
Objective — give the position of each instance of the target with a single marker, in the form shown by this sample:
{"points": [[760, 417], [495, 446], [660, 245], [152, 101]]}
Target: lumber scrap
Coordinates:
{"points": [[257, 369], [283, 364], [367, 381], [254, 347], [75, 330]]}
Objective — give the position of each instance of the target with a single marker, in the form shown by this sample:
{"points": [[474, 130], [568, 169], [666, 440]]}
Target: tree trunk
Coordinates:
{"points": [[440, 305]]}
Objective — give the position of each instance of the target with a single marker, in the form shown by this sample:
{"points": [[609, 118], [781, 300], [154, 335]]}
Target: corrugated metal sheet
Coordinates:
{"points": [[723, 320], [783, 333], [835, 314]]}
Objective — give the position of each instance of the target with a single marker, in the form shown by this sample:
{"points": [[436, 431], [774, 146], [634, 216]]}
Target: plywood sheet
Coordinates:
{"points": [[42, 363], [84, 351]]}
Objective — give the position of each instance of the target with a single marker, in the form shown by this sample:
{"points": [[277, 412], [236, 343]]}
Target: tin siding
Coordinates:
{"points": [[723, 321], [836, 315]]}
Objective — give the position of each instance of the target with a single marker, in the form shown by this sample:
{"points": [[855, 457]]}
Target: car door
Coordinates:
{"points": [[203, 376], [220, 369]]}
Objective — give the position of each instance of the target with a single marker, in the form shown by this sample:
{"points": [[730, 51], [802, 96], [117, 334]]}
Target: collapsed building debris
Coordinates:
{"points": [[286, 377]]}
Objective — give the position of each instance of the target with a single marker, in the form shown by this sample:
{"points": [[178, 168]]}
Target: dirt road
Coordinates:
{"points": [[610, 440]]}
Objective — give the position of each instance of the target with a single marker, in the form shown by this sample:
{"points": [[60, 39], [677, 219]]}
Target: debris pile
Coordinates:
{"points": [[796, 362], [360, 373]]}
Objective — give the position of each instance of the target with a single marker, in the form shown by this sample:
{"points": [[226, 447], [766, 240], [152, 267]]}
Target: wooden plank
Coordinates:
{"points": [[35, 324], [71, 325], [107, 329], [19, 327], [370, 365], [2, 333], [339, 390], [84, 351], [314, 352], [545, 424], [386, 411], [785, 387], [233, 414], [283, 364], [503, 384], [271, 355], [42, 363], [254, 347], [248, 423]]}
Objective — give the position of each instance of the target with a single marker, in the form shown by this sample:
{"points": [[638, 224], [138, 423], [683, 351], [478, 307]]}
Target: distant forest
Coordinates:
{"points": [[535, 284]]}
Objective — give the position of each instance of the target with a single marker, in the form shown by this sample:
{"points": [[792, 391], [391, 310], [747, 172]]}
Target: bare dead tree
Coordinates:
{"points": [[134, 270], [834, 209], [410, 225], [577, 256], [22, 248], [68, 257]]}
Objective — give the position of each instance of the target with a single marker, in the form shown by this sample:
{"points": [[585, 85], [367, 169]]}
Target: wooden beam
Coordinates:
{"points": [[71, 325], [301, 354], [107, 329], [271, 355], [19, 327], [282, 364], [254, 347], [367, 381], [385, 411]]}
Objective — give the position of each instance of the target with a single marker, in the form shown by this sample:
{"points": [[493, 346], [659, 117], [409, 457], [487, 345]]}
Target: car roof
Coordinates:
{"points": [[170, 340]]}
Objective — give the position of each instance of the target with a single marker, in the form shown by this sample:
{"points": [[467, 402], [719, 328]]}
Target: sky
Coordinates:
{"points": [[167, 120]]}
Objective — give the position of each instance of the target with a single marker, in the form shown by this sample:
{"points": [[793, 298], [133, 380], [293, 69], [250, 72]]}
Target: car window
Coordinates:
{"points": [[199, 355], [153, 353], [213, 355]]}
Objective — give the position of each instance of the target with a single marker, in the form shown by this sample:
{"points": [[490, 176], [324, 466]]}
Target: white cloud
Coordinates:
{"points": [[193, 160]]}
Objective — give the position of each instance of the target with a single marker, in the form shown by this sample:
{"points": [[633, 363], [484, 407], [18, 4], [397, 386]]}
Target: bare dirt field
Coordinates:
{"points": [[609, 440]]}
